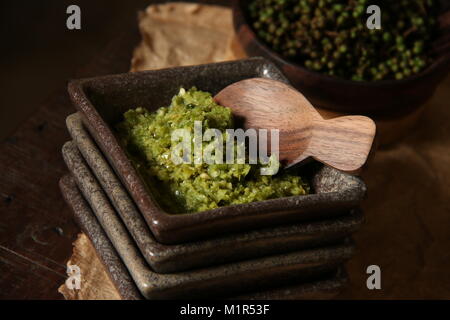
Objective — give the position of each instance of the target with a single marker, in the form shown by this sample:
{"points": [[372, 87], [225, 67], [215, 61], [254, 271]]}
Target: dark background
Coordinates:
{"points": [[38, 53]]}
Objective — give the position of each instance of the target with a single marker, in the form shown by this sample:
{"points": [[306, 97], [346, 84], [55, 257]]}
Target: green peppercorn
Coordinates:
{"points": [[330, 36]]}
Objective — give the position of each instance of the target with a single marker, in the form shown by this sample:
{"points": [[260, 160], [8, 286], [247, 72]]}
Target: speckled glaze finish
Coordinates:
{"points": [[117, 271], [321, 289], [327, 288], [250, 275], [170, 258], [102, 102]]}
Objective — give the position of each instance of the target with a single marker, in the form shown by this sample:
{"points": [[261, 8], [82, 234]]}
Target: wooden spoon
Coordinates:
{"points": [[343, 143]]}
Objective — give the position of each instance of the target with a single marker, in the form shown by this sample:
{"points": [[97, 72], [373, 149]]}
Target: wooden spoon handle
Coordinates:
{"points": [[343, 143]]}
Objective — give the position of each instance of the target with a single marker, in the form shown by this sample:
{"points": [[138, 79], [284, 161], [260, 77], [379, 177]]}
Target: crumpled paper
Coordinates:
{"points": [[180, 34], [95, 282]]}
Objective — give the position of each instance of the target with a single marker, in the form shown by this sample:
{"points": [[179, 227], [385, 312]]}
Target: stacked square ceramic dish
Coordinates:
{"points": [[281, 248]]}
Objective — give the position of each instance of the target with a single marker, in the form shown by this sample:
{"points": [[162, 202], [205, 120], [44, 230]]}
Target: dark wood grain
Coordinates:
{"points": [[36, 228]]}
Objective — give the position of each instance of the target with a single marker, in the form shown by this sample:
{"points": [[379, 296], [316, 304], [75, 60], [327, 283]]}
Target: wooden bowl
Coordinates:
{"points": [[386, 98]]}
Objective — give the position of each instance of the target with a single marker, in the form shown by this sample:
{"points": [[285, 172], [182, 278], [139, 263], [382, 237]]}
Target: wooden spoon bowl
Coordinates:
{"points": [[343, 143]]}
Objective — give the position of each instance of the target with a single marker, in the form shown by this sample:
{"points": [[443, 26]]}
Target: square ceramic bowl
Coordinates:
{"points": [[322, 288], [102, 102], [164, 258], [224, 280]]}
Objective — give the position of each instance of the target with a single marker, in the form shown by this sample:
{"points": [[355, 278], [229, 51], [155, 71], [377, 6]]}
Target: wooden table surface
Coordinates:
{"points": [[36, 227]]}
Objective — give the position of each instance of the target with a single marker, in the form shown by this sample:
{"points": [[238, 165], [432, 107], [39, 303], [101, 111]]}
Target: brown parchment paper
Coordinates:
{"points": [[95, 282], [183, 34], [407, 232]]}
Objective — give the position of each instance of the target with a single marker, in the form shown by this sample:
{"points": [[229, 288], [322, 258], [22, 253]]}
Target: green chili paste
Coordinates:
{"points": [[189, 187]]}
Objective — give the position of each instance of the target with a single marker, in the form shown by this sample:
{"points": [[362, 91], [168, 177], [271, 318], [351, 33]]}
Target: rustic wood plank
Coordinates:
{"points": [[37, 229]]}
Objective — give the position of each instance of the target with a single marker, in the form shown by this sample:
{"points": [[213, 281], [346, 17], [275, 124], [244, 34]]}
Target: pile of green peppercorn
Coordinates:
{"points": [[331, 36]]}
